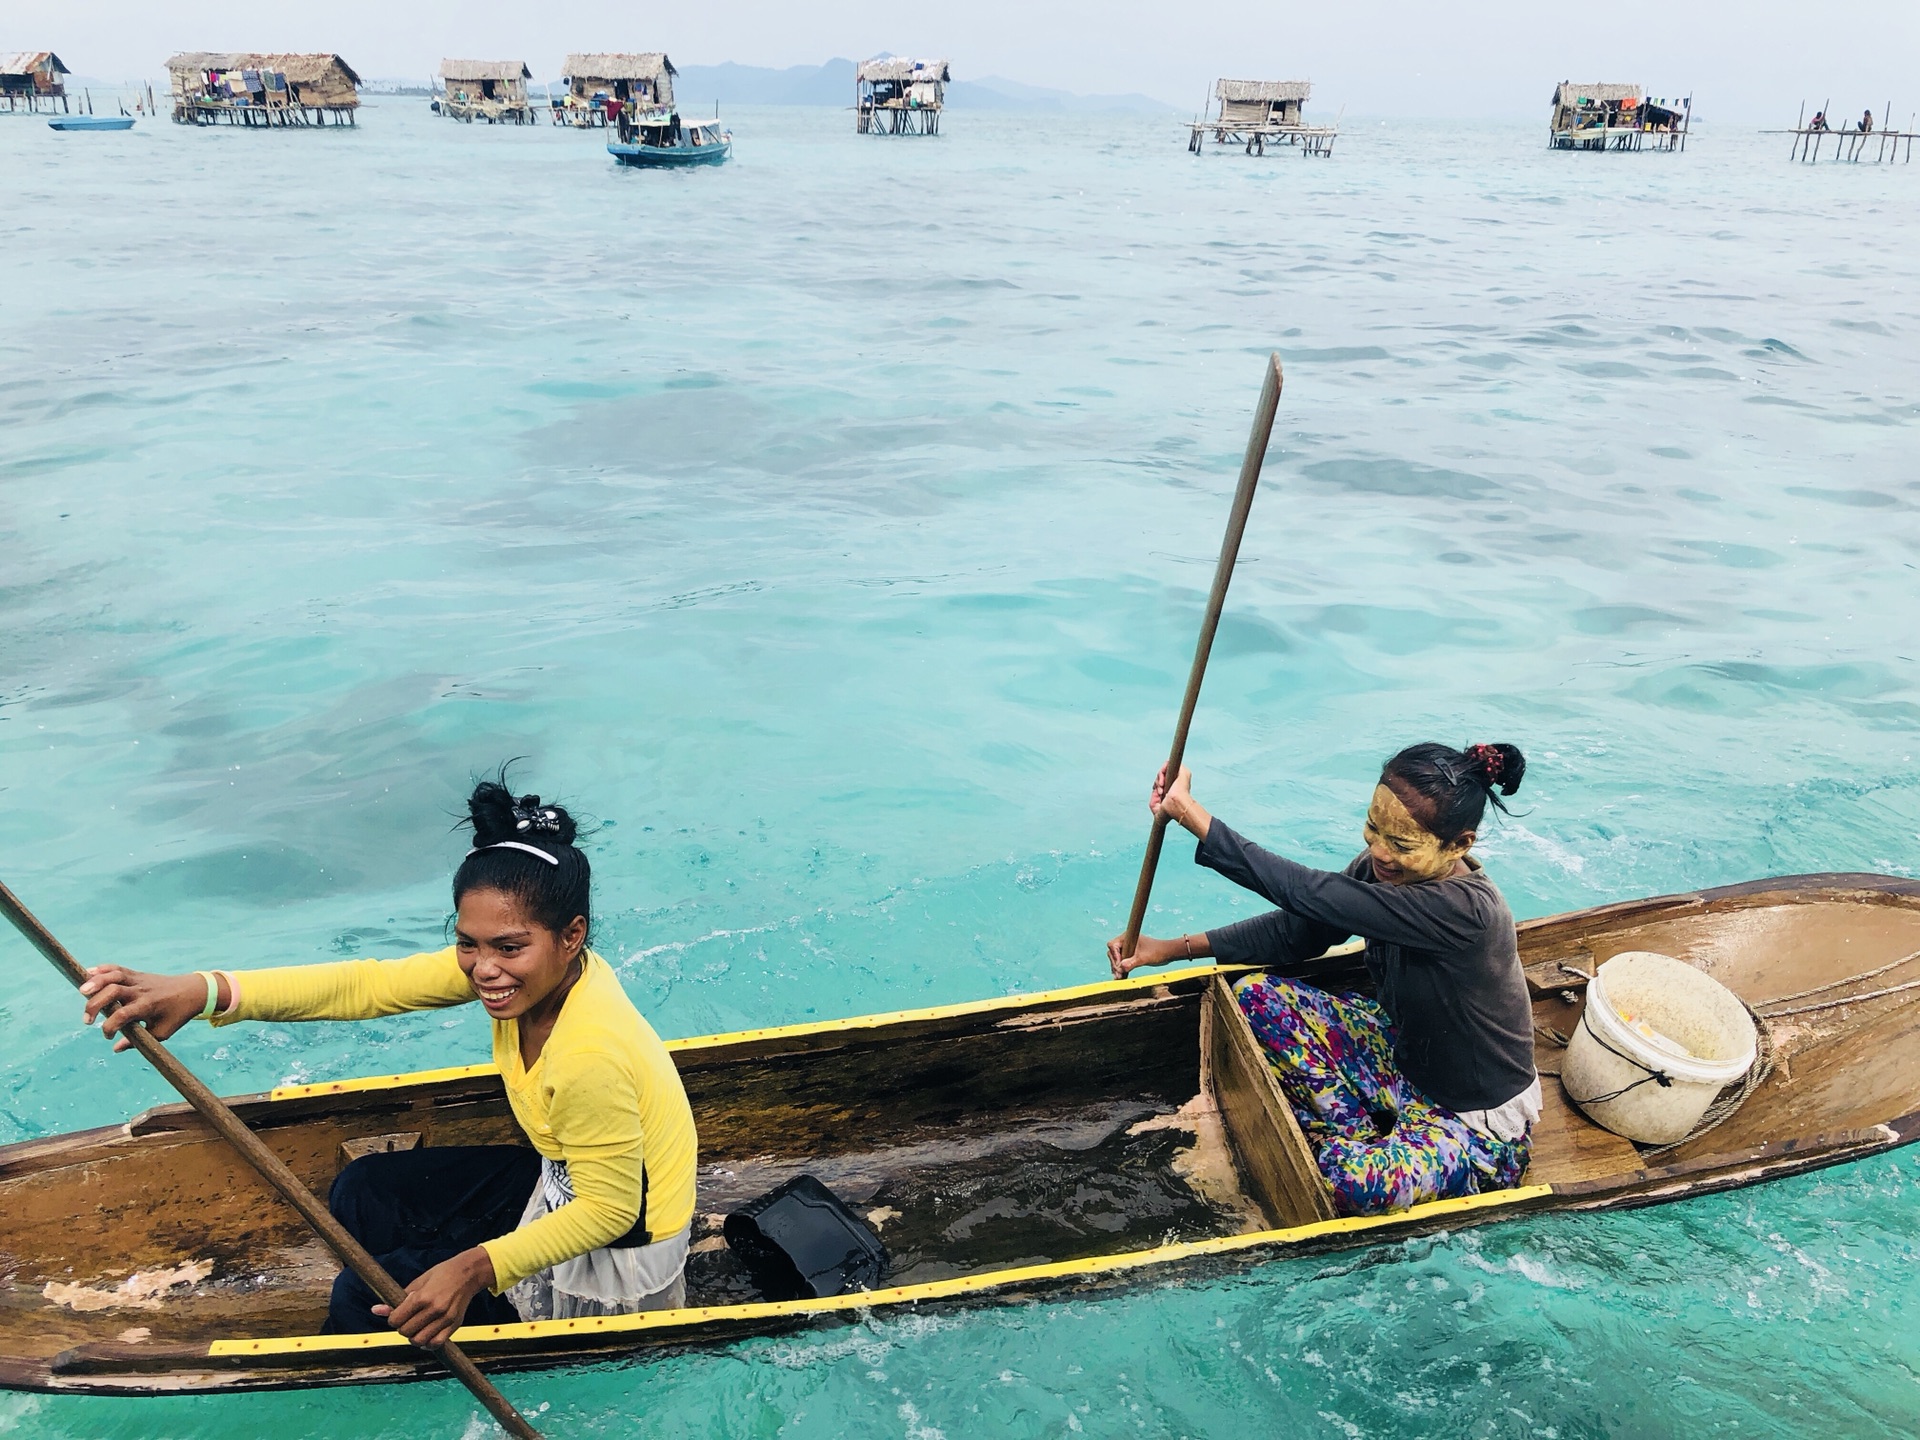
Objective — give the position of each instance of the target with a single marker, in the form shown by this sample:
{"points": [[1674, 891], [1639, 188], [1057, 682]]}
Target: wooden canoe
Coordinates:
{"points": [[1106, 1135]]}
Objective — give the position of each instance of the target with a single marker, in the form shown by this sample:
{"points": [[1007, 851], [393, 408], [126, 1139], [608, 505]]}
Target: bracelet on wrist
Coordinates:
{"points": [[213, 994]]}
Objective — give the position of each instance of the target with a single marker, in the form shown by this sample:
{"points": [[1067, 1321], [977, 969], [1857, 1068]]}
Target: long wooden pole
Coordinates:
{"points": [[1216, 600], [234, 1130]]}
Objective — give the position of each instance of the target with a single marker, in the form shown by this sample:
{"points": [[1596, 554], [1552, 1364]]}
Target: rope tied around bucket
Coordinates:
{"points": [[1664, 1080], [1763, 1057], [1724, 1106], [1730, 1101], [1777, 1008]]}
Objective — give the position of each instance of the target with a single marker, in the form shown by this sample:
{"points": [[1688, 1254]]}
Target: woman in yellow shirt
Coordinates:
{"points": [[594, 1219]]}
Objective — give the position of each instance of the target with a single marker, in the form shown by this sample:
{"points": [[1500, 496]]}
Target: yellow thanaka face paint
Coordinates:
{"points": [[1403, 849]]}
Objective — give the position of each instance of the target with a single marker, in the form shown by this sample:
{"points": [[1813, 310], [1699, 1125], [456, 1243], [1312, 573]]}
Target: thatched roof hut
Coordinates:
{"points": [[638, 79], [897, 96], [478, 72], [490, 90], [1616, 117], [1572, 96], [1590, 107], [1260, 104], [1259, 113], [899, 70], [246, 87]]}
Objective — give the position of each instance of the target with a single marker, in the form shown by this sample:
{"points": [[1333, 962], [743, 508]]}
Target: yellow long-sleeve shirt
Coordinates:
{"points": [[604, 1095]]}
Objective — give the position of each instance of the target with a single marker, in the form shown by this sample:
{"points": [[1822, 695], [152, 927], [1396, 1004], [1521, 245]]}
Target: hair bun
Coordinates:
{"points": [[1500, 767], [497, 814]]}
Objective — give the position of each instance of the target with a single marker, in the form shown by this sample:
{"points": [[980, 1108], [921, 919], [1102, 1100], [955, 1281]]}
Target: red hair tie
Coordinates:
{"points": [[1491, 762]]}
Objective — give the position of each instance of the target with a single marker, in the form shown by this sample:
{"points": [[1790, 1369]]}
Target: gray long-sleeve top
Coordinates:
{"points": [[1441, 952]]}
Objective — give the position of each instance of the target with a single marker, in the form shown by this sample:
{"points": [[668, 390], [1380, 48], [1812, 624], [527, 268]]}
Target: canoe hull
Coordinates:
{"points": [[930, 1103], [91, 122]]}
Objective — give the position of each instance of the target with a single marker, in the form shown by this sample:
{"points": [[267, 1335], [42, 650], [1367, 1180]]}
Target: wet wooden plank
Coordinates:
{"points": [[876, 1087], [1271, 1152], [1568, 1148]]}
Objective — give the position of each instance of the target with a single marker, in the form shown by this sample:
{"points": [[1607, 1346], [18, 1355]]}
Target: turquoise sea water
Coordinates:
{"points": [[833, 527]]}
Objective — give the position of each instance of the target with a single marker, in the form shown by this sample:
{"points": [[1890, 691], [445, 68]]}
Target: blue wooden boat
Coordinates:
{"points": [[91, 122], [660, 139]]}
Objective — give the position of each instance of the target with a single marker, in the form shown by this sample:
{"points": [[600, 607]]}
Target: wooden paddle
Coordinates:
{"points": [[1222, 576], [217, 1114]]}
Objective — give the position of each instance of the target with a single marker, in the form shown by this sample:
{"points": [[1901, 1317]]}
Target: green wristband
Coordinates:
{"points": [[213, 993]]}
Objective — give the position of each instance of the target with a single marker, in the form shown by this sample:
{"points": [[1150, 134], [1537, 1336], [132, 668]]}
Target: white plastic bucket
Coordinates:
{"points": [[1655, 1089]]}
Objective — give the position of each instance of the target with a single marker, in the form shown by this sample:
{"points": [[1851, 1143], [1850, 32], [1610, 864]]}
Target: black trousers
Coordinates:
{"points": [[415, 1208]]}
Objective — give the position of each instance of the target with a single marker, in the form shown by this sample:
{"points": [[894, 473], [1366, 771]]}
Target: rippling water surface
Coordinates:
{"points": [[833, 527]]}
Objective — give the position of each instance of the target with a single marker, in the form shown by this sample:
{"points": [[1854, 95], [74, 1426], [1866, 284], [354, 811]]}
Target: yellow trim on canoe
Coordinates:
{"points": [[894, 1295], [788, 1032], [381, 1082]]}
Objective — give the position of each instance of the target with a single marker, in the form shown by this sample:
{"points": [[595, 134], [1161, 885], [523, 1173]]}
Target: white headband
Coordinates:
{"points": [[516, 845]]}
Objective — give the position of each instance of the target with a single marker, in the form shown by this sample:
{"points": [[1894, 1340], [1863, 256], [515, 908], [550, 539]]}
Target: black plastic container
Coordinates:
{"points": [[801, 1242]]}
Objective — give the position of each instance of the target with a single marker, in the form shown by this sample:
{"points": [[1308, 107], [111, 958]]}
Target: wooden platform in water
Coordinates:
{"points": [[1258, 139], [1617, 137], [1112, 1134], [1851, 146]]}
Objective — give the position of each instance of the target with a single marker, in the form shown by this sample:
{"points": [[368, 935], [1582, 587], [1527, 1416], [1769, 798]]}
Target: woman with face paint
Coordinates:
{"points": [[1430, 1091]]}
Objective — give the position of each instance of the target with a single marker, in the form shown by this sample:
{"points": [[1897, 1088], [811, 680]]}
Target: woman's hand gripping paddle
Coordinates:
{"points": [[1222, 576], [272, 1169]]}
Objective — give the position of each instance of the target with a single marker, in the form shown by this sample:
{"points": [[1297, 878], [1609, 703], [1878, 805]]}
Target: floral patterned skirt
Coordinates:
{"points": [[1381, 1144]]}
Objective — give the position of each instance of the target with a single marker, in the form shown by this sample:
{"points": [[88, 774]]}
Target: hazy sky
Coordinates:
{"points": [[1750, 60]]}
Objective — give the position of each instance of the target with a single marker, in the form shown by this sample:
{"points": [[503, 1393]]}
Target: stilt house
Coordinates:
{"points": [[638, 82], [1257, 113], [1616, 117], [491, 90], [262, 91], [1261, 104], [30, 80], [899, 97]]}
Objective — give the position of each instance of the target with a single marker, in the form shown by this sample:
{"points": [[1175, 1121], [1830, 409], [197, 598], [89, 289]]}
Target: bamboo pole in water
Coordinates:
{"points": [[272, 1169], [1210, 622]]}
